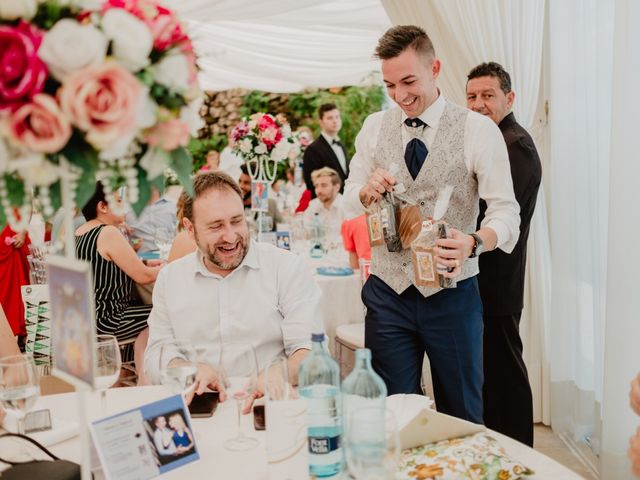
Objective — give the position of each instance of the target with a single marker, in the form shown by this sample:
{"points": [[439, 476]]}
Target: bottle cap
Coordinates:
{"points": [[317, 337]]}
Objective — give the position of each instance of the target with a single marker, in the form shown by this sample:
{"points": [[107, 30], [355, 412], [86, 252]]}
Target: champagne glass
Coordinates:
{"points": [[372, 445], [108, 365], [19, 385], [239, 378], [163, 240]]}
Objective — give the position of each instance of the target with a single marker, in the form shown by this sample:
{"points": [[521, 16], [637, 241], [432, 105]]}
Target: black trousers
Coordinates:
{"points": [[508, 403]]}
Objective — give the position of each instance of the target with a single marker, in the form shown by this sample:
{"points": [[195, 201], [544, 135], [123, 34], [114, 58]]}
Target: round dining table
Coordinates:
{"points": [[210, 433]]}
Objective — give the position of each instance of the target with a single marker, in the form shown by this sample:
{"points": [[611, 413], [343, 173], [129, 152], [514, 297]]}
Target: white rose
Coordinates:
{"points": [[147, 111], [260, 148], [35, 170], [118, 149], [173, 72], [4, 157], [245, 146], [14, 9], [280, 151], [155, 161], [132, 40], [70, 46], [191, 116]]}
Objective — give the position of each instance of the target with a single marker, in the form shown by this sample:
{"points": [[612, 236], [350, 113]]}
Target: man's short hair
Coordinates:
{"points": [[326, 172], [397, 39], [326, 107], [206, 181], [492, 69]]}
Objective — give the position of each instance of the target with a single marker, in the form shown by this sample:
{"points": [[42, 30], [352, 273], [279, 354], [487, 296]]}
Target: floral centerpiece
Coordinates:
{"points": [[92, 90], [263, 141]]}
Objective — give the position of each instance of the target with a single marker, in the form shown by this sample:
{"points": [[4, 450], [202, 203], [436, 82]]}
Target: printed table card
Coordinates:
{"points": [[145, 442]]}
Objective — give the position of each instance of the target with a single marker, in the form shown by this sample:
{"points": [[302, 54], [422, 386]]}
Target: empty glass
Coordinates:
{"points": [[372, 445], [163, 239], [239, 370], [19, 385], [108, 364], [177, 365]]}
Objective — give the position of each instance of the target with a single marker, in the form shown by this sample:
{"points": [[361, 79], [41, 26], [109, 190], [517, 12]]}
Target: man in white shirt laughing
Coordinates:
{"points": [[232, 289]]}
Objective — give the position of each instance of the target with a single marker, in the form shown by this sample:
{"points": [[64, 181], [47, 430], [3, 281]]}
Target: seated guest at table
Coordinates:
{"points": [[163, 437], [115, 268], [183, 244], [245, 185], [159, 214], [232, 289], [328, 202], [212, 161], [355, 238], [182, 437]]}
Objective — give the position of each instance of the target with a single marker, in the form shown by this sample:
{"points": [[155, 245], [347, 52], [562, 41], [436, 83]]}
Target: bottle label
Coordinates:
{"points": [[426, 272], [323, 445], [375, 227]]}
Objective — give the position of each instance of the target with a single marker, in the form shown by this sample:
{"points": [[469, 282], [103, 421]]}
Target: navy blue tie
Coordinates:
{"points": [[416, 150]]}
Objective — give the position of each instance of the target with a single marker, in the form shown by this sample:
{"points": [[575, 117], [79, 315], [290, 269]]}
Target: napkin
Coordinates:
{"points": [[61, 429], [418, 424]]}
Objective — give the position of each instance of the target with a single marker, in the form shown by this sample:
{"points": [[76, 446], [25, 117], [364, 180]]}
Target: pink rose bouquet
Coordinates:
{"points": [[103, 90]]}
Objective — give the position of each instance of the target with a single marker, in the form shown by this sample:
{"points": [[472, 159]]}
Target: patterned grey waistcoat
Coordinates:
{"points": [[444, 165]]}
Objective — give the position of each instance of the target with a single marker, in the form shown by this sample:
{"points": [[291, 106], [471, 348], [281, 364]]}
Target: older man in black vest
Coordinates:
{"points": [[501, 276], [432, 143]]}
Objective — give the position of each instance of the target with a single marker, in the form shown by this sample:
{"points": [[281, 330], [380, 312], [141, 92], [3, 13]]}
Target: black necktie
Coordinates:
{"points": [[416, 150]]}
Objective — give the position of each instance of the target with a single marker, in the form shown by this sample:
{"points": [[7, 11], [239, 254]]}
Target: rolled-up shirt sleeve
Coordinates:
{"points": [[361, 166], [299, 304], [486, 155]]}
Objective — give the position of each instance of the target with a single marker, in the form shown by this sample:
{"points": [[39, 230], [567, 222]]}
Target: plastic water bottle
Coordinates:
{"points": [[363, 387], [319, 385], [317, 229]]}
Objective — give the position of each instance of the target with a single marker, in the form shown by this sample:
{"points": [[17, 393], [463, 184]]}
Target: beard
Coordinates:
{"points": [[224, 262]]}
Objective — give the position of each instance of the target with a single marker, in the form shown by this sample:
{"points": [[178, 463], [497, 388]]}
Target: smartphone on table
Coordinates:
{"points": [[203, 406]]}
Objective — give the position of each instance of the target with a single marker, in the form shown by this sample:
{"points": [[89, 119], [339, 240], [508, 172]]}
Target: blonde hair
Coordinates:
{"points": [[181, 422], [325, 172]]}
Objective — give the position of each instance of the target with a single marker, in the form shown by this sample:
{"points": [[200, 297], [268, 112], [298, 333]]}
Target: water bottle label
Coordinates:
{"points": [[323, 445]]}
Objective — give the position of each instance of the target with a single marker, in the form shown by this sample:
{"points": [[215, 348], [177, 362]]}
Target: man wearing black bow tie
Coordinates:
{"points": [[326, 150], [429, 143]]}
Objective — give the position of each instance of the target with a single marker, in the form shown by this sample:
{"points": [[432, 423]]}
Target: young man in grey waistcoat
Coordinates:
{"points": [[434, 143]]}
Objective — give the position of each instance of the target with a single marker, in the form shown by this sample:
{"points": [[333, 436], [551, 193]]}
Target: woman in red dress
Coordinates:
{"points": [[14, 272]]}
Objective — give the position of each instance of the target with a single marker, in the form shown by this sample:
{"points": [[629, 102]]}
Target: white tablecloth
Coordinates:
{"points": [[341, 302], [212, 432]]}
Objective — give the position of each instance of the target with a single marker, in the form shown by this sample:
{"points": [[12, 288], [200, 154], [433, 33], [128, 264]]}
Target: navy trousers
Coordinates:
{"points": [[399, 329]]}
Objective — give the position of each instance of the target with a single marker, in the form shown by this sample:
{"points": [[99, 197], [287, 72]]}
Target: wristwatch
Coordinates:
{"points": [[478, 246]]}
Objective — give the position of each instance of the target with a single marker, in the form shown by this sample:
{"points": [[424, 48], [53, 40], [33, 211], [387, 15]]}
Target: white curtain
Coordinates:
{"points": [[284, 46], [466, 33], [622, 360], [581, 52]]}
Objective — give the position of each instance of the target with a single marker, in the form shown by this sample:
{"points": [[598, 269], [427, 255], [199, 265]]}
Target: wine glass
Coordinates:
{"points": [[239, 378], [178, 365], [163, 240], [108, 365], [19, 385], [372, 444], [276, 381]]}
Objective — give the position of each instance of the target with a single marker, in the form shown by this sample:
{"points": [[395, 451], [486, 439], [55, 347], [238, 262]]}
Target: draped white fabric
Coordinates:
{"points": [[580, 119], [622, 360], [466, 33], [284, 46]]}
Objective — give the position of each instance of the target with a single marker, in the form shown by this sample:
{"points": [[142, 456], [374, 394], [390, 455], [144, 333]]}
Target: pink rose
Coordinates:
{"points": [[22, 73], [166, 30], [168, 135], [103, 101], [40, 125]]}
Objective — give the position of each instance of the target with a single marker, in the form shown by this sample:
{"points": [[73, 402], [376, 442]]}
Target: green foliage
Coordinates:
{"points": [[181, 164], [199, 147], [255, 101], [144, 191]]}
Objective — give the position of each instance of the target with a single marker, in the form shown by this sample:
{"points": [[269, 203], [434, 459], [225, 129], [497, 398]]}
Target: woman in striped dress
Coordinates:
{"points": [[115, 267]]}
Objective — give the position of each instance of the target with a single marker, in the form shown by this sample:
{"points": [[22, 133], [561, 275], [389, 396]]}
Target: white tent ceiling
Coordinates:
{"points": [[284, 46]]}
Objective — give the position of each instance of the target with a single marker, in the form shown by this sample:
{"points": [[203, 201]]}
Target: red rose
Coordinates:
{"points": [[22, 73]]}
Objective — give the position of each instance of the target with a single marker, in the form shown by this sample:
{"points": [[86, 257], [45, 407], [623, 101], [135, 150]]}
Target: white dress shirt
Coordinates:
{"points": [[230, 163], [270, 301], [337, 149], [485, 154]]}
